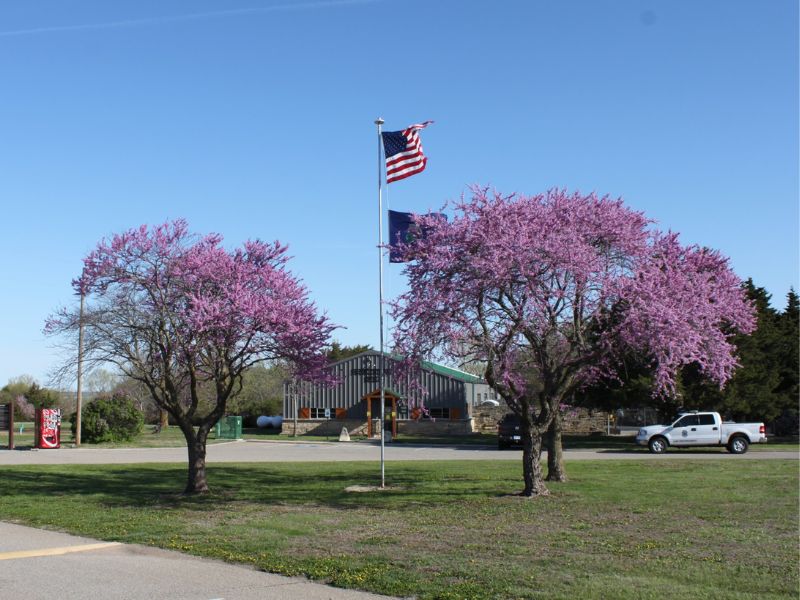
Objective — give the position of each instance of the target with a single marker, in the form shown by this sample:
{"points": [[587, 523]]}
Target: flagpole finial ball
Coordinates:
{"points": [[379, 121]]}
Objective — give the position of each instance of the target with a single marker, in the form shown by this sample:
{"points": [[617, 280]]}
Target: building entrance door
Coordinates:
{"points": [[373, 401]]}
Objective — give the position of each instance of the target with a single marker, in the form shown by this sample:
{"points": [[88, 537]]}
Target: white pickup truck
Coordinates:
{"points": [[701, 429]]}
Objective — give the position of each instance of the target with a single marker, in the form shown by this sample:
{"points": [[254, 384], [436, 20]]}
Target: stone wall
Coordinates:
{"points": [[575, 422], [330, 427], [484, 420], [437, 427], [585, 421], [333, 427]]}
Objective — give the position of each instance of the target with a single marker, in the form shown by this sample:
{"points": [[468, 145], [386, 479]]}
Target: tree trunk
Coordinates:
{"points": [[163, 420], [197, 482], [531, 461], [555, 451]]}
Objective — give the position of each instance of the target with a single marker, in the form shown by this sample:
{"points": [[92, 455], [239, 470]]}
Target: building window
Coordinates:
{"points": [[320, 413]]}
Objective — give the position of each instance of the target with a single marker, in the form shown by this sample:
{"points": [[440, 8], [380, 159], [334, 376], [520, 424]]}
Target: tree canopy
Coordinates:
{"points": [[763, 387], [765, 384], [563, 285], [180, 313]]}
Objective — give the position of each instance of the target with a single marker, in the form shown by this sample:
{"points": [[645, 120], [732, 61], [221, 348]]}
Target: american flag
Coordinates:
{"points": [[403, 150]]}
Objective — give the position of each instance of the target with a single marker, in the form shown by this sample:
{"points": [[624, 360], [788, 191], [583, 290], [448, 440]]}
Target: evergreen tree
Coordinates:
{"points": [[758, 390], [41, 397], [763, 388], [752, 393], [338, 352], [789, 349]]}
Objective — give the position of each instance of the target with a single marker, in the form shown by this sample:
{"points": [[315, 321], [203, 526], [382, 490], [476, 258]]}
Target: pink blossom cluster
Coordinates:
{"points": [[25, 408], [219, 307], [561, 284]]}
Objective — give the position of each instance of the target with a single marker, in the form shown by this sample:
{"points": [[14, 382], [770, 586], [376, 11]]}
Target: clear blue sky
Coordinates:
{"points": [[254, 119]]}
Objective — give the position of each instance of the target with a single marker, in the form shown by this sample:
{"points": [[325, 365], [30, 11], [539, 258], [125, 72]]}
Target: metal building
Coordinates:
{"points": [[355, 399]]}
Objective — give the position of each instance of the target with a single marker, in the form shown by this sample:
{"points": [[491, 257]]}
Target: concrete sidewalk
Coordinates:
{"points": [[41, 565]]}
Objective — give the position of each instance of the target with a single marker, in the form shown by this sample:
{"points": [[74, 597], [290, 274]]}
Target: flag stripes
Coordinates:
{"points": [[403, 150]]}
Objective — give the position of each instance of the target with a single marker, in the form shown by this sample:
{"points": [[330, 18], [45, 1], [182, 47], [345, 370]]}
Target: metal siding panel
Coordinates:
{"points": [[344, 390], [353, 395], [443, 391]]}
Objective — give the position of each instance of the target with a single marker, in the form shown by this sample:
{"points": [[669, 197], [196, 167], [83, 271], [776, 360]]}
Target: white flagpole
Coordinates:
{"points": [[380, 122]]}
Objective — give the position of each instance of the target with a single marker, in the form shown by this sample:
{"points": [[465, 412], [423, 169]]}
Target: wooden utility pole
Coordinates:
{"points": [[11, 425], [294, 396], [7, 421], [80, 373]]}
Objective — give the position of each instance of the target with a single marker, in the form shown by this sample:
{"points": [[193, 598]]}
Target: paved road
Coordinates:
{"points": [[42, 565], [257, 451]]}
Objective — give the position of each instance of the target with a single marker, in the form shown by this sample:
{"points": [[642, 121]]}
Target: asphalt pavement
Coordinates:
{"points": [[258, 451], [41, 565]]}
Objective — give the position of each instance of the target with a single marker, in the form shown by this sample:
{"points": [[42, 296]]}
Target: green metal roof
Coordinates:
{"points": [[450, 372], [436, 368]]}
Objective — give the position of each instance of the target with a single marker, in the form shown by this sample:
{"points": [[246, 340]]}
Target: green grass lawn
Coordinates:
{"points": [[171, 437], [447, 530]]}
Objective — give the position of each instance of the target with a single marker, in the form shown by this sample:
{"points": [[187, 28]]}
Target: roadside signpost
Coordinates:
{"points": [[7, 422]]}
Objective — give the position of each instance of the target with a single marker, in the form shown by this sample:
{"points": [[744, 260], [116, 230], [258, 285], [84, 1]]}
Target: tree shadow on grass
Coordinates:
{"points": [[160, 486]]}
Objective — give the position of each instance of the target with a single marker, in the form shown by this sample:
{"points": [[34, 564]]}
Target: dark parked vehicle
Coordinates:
{"points": [[508, 432]]}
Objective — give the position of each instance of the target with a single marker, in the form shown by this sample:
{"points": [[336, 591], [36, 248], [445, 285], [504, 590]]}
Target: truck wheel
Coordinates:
{"points": [[658, 445], [738, 445]]}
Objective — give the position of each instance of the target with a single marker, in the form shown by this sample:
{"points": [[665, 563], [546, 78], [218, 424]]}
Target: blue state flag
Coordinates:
{"points": [[403, 230]]}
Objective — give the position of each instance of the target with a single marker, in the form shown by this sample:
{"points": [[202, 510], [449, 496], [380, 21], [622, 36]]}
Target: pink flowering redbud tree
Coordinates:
{"points": [[549, 291], [182, 315]]}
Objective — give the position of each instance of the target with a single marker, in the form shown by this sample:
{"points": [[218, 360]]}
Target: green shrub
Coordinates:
{"points": [[109, 419]]}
